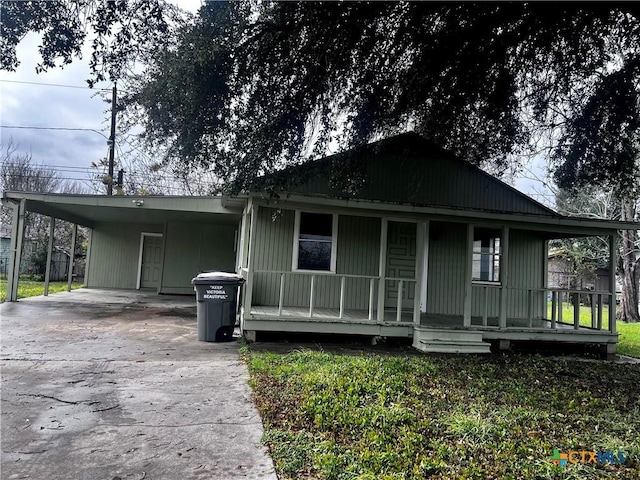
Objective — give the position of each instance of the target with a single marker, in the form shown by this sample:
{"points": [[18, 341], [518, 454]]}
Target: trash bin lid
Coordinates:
{"points": [[214, 276]]}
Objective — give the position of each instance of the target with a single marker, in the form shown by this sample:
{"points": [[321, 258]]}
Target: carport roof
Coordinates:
{"points": [[87, 210]]}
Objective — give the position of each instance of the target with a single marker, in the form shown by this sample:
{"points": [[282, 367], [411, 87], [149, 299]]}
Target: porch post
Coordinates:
{"points": [[249, 285], [504, 276], [72, 256], [244, 237], [468, 278], [421, 245], [382, 268], [545, 278], [424, 264], [87, 264], [613, 252], [17, 240], [47, 270]]}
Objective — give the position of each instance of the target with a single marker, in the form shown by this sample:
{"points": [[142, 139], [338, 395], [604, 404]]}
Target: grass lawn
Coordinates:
{"points": [[29, 288], [405, 416], [629, 340]]}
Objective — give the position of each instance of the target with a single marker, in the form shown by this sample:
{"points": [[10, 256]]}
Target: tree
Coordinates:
{"points": [[250, 87], [120, 32], [600, 145], [18, 172]]}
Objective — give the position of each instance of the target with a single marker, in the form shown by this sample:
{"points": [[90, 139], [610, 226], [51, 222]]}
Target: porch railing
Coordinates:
{"points": [[546, 306], [337, 308]]}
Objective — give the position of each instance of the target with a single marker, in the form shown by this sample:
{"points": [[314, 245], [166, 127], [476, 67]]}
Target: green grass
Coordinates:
{"points": [[629, 339], [29, 288], [372, 416]]}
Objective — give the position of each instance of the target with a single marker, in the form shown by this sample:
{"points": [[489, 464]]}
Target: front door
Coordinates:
{"points": [[151, 261], [401, 263]]}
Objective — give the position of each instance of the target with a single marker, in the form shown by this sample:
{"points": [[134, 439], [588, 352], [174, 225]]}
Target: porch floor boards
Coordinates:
{"points": [[329, 315]]}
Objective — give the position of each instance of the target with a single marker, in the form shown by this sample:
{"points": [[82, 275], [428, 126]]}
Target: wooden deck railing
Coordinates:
{"points": [[284, 279], [546, 304]]}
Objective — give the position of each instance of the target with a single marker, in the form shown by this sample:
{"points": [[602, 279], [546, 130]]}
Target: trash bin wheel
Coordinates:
{"points": [[224, 334]]}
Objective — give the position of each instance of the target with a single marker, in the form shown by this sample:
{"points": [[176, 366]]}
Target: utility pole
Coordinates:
{"points": [[112, 140]]}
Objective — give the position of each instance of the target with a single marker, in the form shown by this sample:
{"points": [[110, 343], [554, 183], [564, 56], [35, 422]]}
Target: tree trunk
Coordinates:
{"points": [[630, 271]]}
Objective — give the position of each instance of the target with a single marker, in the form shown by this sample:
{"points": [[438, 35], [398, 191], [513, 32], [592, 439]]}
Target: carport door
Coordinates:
{"points": [[151, 261]]}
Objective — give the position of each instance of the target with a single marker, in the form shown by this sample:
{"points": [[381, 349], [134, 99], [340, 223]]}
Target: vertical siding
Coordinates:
{"points": [[358, 246], [193, 247], [526, 270], [445, 283], [358, 254], [115, 252], [274, 251]]}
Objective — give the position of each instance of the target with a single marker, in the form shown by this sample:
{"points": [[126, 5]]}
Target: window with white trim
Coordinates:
{"points": [[315, 242], [486, 255]]}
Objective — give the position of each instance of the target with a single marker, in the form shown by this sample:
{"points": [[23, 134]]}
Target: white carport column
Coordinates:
{"points": [[47, 273], [15, 253], [468, 278], [613, 260], [72, 256]]}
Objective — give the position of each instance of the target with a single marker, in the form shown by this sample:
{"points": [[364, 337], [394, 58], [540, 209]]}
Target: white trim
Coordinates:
{"points": [[142, 235], [334, 242]]}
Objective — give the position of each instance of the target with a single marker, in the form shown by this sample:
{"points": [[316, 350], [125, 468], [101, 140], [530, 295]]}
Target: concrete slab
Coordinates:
{"points": [[108, 384]]}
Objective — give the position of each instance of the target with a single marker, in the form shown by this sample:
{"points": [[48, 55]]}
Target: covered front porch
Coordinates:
{"points": [[450, 284]]}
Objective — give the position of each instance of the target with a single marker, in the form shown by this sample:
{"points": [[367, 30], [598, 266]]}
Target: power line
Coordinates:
{"points": [[55, 85], [54, 128]]}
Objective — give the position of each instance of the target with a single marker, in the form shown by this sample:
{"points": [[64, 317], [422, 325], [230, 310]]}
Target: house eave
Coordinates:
{"points": [[545, 223]]}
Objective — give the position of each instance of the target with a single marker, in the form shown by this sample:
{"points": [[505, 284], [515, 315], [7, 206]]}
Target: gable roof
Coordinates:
{"points": [[405, 169]]}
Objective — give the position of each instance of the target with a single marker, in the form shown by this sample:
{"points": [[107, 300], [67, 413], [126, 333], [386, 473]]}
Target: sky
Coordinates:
{"points": [[60, 99]]}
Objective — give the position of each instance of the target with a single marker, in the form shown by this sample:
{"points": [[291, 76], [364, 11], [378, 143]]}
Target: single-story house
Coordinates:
{"points": [[398, 238]]}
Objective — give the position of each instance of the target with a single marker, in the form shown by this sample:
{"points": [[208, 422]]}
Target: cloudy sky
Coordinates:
{"points": [[45, 104]]}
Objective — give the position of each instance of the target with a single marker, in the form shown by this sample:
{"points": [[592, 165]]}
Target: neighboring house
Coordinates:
{"points": [[59, 261], [563, 274], [414, 243]]}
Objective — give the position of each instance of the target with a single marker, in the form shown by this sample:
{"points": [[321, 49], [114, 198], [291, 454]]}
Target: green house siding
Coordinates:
{"points": [[445, 278], [527, 257], [193, 247], [357, 252], [115, 251], [445, 283]]}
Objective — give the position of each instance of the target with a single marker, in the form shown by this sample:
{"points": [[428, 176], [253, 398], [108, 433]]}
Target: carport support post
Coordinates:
{"points": [[17, 240], [72, 256], [47, 273]]}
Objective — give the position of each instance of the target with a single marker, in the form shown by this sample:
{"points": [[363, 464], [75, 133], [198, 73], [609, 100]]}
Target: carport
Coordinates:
{"points": [[155, 243]]}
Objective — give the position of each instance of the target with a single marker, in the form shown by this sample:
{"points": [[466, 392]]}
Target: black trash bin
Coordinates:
{"points": [[217, 301]]}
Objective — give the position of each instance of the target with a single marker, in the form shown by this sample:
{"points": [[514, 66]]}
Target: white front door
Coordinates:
{"points": [[150, 261]]}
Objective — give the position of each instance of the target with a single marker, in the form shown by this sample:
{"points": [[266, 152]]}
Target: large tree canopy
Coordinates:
{"points": [[120, 32], [251, 85]]}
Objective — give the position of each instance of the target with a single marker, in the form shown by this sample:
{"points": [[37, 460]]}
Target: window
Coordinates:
{"points": [[486, 255], [315, 245]]}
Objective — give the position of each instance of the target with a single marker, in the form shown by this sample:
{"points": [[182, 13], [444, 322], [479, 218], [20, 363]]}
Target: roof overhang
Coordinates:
{"points": [[87, 210], [551, 226]]}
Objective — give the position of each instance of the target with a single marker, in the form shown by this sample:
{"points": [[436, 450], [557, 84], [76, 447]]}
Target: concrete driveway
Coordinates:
{"points": [[107, 384]]}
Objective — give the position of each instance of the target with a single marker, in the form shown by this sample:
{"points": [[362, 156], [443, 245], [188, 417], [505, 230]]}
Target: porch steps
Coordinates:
{"points": [[440, 340]]}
